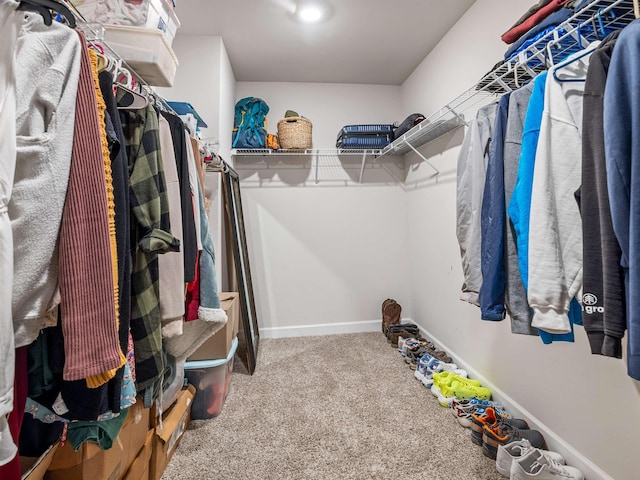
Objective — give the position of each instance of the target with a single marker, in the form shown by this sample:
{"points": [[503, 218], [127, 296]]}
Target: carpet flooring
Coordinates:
{"points": [[329, 407]]}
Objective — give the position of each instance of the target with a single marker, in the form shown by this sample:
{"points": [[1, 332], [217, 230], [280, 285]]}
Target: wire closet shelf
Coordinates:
{"points": [[590, 23]]}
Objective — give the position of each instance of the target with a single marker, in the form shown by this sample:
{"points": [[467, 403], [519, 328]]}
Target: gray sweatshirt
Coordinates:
{"points": [[516, 296], [10, 22], [47, 70], [471, 173]]}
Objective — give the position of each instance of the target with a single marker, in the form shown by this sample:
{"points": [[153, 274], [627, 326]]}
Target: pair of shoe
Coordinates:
{"points": [[391, 313], [519, 460], [427, 365], [490, 418], [464, 409], [503, 433], [448, 387], [413, 356], [405, 330]]}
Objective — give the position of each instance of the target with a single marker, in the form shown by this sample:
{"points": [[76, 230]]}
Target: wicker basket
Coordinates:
{"points": [[294, 133]]}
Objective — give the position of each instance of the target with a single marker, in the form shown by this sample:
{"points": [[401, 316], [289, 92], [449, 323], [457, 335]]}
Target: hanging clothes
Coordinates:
{"points": [[604, 313], [622, 147], [555, 239], [47, 71], [120, 178], [150, 230], [10, 22], [88, 283], [472, 169], [519, 209], [515, 294], [492, 223], [171, 264], [189, 242]]}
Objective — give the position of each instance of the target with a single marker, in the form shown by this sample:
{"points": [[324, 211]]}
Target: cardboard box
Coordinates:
{"points": [[34, 468], [167, 438], [134, 433], [88, 463], [219, 344], [140, 466]]}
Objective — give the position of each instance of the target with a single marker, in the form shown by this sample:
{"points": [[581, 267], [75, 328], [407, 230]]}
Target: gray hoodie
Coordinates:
{"points": [[47, 71], [471, 173], [10, 21]]}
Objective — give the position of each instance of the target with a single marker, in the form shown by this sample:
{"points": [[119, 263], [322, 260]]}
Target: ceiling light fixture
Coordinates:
{"points": [[312, 11]]}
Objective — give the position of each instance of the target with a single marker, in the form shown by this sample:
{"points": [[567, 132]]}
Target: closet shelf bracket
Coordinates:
{"points": [[423, 158], [364, 161]]}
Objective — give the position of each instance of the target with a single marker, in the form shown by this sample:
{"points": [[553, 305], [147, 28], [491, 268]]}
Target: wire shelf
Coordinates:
{"points": [[592, 22], [322, 152]]}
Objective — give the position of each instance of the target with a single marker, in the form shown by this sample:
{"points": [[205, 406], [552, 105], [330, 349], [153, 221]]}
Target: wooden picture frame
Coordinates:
{"points": [[239, 269]]}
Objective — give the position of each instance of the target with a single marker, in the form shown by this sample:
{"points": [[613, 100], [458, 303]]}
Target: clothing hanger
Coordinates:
{"points": [[636, 8], [131, 100], [44, 8], [587, 51]]}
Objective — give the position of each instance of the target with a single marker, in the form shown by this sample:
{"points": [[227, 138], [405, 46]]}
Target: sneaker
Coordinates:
{"points": [[442, 387], [536, 465], [502, 433], [514, 451], [464, 389], [472, 404], [423, 367], [490, 418], [438, 367]]}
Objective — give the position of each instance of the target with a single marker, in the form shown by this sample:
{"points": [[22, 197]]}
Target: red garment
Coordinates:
{"points": [[192, 303], [11, 470], [518, 31]]}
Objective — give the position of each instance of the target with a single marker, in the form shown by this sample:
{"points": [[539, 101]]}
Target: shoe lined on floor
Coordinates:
{"points": [[437, 366], [502, 433], [405, 330], [470, 405], [444, 382], [423, 365], [514, 451], [462, 388], [535, 465], [490, 418], [391, 313]]}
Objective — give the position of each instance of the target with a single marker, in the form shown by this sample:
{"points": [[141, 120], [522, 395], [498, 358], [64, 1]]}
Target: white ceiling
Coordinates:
{"points": [[364, 41]]}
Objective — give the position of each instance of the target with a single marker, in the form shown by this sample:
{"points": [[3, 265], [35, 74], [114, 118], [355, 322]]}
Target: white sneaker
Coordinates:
{"points": [[535, 465], [514, 451]]}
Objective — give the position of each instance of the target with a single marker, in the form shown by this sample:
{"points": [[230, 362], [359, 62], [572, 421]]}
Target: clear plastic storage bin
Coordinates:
{"points": [[146, 51], [151, 14], [212, 379]]}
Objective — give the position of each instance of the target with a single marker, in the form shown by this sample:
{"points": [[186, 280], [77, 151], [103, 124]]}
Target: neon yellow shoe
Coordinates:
{"points": [[459, 389]]}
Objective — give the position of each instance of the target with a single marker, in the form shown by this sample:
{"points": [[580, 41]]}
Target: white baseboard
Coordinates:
{"points": [[554, 441], [320, 329]]}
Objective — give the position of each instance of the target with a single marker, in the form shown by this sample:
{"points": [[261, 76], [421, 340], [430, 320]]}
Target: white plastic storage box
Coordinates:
{"points": [[212, 379], [146, 51], [151, 14]]}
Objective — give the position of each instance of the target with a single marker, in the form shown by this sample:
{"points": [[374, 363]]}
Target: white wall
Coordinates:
{"points": [[325, 256], [587, 401], [198, 76]]}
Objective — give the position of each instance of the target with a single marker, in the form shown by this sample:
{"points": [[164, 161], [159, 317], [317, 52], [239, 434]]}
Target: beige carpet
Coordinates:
{"points": [[331, 407]]}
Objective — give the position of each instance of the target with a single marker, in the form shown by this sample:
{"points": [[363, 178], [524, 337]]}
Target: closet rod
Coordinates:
{"points": [[87, 26]]}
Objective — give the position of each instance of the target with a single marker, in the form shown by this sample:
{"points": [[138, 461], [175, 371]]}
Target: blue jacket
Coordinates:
{"points": [[492, 291], [520, 206], [622, 148]]}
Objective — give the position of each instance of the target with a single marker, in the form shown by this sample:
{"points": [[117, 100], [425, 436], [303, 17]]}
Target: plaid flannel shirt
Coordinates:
{"points": [[150, 235]]}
